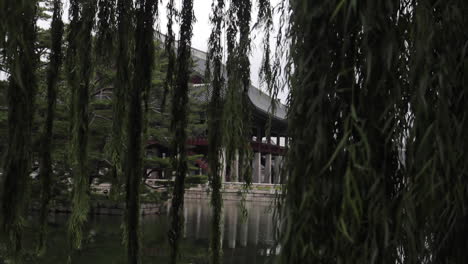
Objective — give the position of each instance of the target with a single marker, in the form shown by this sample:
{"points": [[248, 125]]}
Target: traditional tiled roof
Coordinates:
{"points": [[259, 99]]}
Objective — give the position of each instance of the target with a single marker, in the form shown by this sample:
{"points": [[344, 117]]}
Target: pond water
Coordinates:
{"points": [[245, 240]]}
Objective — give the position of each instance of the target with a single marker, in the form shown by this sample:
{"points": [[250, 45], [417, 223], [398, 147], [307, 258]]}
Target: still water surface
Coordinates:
{"points": [[245, 240]]}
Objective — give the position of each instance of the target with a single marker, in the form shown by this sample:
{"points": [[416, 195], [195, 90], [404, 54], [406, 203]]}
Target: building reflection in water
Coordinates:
{"points": [[245, 240], [245, 236], [238, 231]]}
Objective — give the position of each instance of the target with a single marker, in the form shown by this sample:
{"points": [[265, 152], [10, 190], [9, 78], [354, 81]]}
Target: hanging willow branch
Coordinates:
{"points": [[437, 156], [334, 153], [122, 86], [149, 49], [105, 30], [265, 20], [179, 125], [20, 30], [79, 72], [215, 127], [169, 47], [55, 61], [237, 108], [376, 120], [143, 63], [3, 29], [105, 53]]}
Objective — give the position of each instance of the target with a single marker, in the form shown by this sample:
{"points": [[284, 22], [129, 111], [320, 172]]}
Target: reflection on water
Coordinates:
{"points": [[245, 240]]}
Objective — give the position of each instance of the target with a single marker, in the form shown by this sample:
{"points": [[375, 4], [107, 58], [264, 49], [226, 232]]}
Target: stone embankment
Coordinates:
{"points": [[109, 208], [234, 191]]}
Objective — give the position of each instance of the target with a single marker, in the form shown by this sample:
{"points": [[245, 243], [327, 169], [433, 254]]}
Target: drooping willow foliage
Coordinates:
{"points": [[149, 51], [122, 86], [377, 166], [436, 147], [143, 68], [179, 125], [170, 51], [377, 162], [265, 20], [79, 68], [20, 30], [3, 8], [215, 126], [55, 61], [105, 30], [237, 115], [106, 42]]}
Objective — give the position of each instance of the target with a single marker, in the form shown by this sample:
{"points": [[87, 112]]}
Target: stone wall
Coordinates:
{"points": [[234, 191], [109, 208]]}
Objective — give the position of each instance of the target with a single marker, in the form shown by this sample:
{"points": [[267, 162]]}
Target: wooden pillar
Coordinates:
{"points": [[232, 228], [235, 168], [223, 165], [278, 166], [256, 167], [267, 175]]}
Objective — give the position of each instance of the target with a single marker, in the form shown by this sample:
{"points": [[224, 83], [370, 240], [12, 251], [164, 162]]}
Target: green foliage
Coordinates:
{"points": [[153, 197], [19, 30], [237, 131], [215, 127], [157, 162], [122, 86], [377, 160], [170, 51], [179, 124], [101, 117], [46, 172], [79, 75], [105, 29], [139, 92], [196, 179]]}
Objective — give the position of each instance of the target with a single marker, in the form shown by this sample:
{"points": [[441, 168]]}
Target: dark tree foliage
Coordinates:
{"points": [[3, 26], [215, 126], [55, 61], [105, 29], [345, 129], [376, 167], [143, 69], [169, 47], [122, 86], [179, 124], [265, 20], [237, 115], [19, 27], [79, 67], [436, 153], [71, 53], [243, 9]]}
